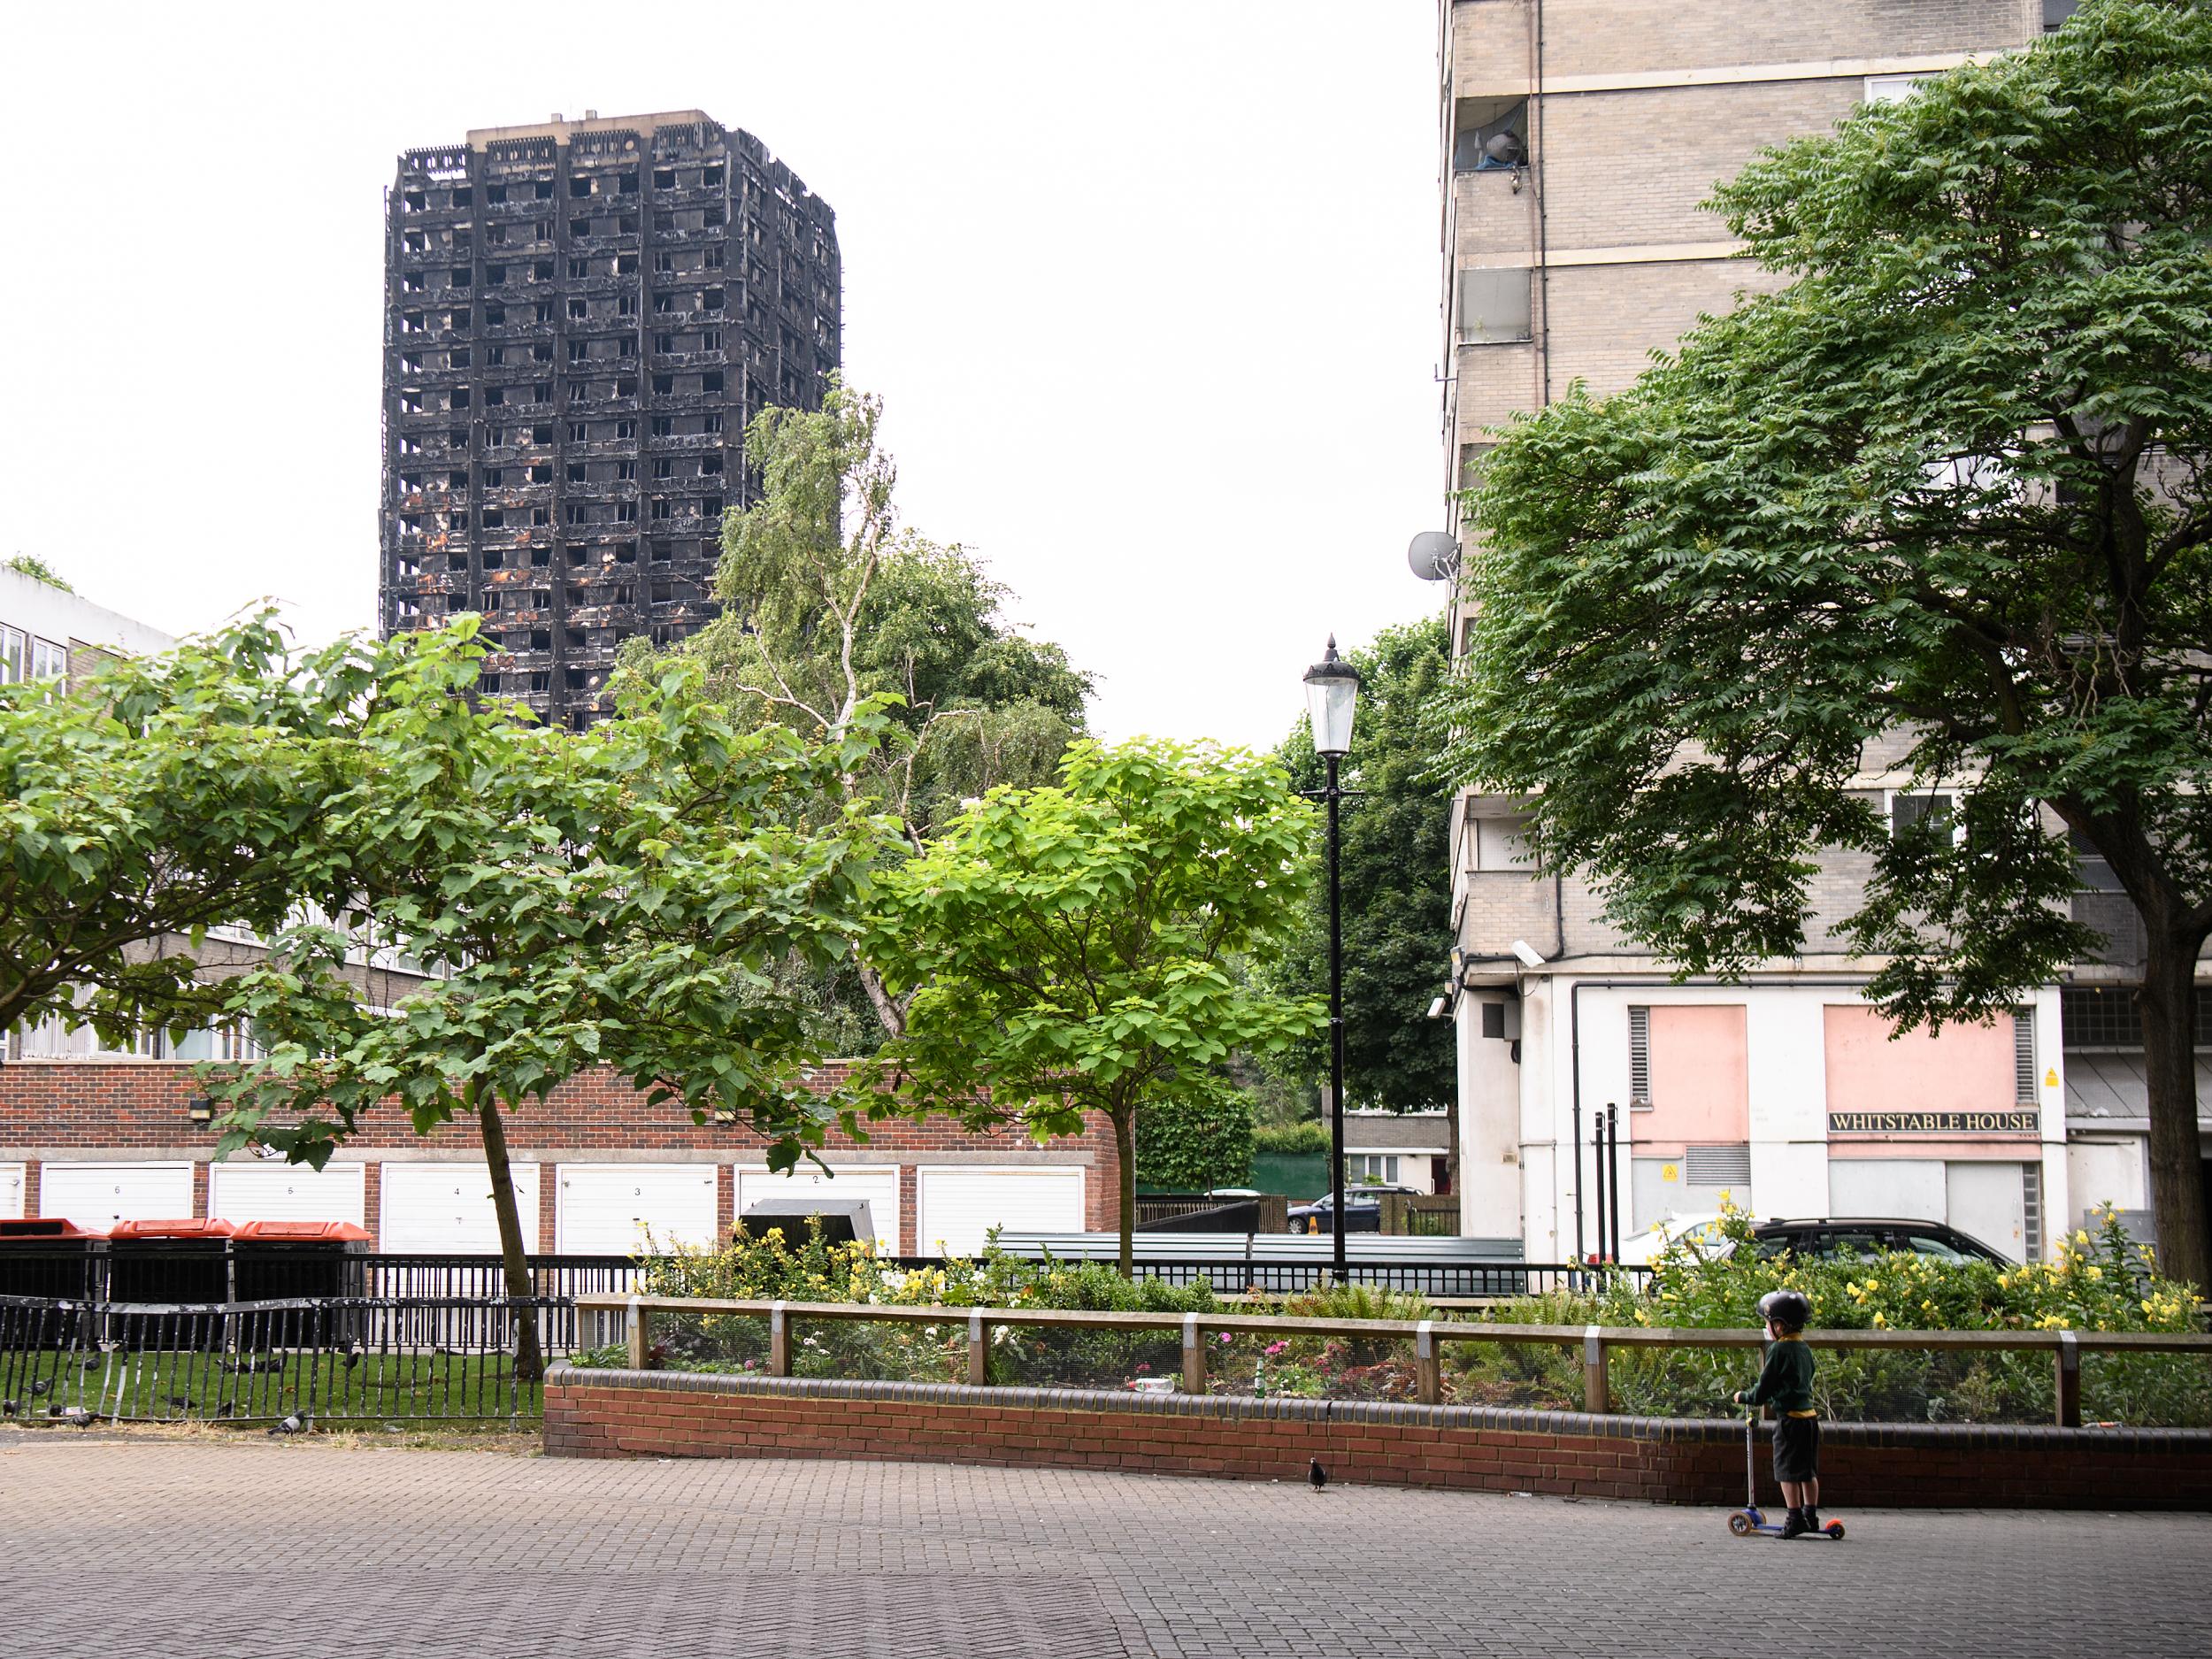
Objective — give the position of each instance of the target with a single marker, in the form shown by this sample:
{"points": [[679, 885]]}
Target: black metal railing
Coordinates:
{"points": [[297, 1360], [1232, 1275], [243, 1274]]}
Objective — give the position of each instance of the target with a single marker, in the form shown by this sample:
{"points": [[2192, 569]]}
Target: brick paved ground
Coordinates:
{"points": [[129, 1547]]}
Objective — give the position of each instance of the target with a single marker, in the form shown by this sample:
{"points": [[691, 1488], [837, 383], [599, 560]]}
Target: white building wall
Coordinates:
{"points": [[1489, 1120], [39, 608], [1787, 1054]]}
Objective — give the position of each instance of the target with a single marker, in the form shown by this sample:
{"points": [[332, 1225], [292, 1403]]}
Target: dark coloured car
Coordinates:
{"points": [[1362, 1210], [1877, 1236]]}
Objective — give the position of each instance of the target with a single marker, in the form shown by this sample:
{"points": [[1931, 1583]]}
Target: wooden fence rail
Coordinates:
{"points": [[1596, 1342]]}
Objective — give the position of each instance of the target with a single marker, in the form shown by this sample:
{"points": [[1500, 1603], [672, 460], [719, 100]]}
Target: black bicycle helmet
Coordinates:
{"points": [[1788, 1309]]}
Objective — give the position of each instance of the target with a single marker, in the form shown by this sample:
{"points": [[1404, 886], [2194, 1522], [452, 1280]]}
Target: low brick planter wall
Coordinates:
{"points": [[678, 1414]]}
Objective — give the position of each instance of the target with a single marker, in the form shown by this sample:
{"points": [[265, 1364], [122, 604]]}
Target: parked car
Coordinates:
{"points": [[1700, 1233], [1362, 1210], [1856, 1236]]}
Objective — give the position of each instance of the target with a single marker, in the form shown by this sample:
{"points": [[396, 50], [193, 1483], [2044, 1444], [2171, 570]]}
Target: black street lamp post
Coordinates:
{"points": [[1331, 691]]}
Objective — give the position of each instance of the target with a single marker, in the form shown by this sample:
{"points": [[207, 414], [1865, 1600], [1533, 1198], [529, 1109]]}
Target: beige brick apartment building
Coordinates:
{"points": [[1578, 138]]}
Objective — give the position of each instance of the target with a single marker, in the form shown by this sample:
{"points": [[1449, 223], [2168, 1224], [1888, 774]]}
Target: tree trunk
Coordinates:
{"points": [[1124, 1120], [513, 1258], [2169, 1066], [890, 1011]]}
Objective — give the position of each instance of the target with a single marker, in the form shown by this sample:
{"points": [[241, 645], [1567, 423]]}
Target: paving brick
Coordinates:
{"points": [[188, 1549]]}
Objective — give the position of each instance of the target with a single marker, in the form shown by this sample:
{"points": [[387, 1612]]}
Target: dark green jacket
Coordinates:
{"points": [[1787, 1384]]}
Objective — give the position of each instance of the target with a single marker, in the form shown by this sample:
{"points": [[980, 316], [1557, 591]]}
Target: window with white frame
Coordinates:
{"points": [[1371, 1166], [1891, 89], [15, 654], [224, 1040], [1500, 843]]}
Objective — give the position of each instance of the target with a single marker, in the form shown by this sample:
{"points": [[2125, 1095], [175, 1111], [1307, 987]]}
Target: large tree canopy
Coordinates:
{"points": [[829, 604], [617, 897], [1066, 950], [165, 796], [828, 601], [1949, 485]]}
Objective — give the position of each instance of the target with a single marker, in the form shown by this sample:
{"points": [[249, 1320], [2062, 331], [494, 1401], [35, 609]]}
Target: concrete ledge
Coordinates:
{"points": [[680, 1414]]}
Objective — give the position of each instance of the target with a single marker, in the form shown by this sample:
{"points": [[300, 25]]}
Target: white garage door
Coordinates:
{"points": [[1989, 1202], [10, 1191], [2100, 1172], [1909, 1189], [446, 1209], [877, 1184], [265, 1190], [101, 1195], [611, 1208], [958, 1206]]}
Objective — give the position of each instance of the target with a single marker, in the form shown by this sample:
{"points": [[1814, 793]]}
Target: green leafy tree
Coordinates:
{"points": [[167, 795], [619, 897], [1946, 487], [1066, 948], [829, 604], [1395, 871]]}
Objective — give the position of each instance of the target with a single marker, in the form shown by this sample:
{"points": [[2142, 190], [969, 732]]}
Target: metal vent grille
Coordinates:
{"points": [[1639, 1059], [2031, 1209], [2024, 1056], [1718, 1166]]}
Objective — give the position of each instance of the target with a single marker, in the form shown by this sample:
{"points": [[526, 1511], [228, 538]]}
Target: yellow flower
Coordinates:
{"points": [[1874, 1284], [1881, 1323], [2093, 1270], [2004, 1282], [2081, 1235]]}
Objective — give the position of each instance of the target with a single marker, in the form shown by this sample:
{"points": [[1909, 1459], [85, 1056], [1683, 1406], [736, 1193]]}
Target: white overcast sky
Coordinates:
{"points": [[1151, 290]]}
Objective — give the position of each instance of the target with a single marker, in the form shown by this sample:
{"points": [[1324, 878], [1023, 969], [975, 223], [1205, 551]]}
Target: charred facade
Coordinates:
{"points": [[580, 317]]}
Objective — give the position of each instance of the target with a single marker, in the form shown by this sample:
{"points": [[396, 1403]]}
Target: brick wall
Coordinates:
{"points": [[1493, 40], [658, 1413], [138, 1111]]}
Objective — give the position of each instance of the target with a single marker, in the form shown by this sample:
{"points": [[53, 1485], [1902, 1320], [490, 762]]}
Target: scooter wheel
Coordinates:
{"points": [[1835, 1528], [1740, 1523]]}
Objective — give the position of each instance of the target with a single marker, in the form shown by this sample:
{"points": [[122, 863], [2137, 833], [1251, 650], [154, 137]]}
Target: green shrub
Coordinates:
{"points": [[1291, 1140], [1193, 1145], [2104, 1282]]}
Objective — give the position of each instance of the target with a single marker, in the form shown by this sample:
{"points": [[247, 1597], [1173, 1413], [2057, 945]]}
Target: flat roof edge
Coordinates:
{"points": [[482, 137]]}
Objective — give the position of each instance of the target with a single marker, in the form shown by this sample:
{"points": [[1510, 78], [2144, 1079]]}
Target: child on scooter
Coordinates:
{"points": [[1787, 1384]]}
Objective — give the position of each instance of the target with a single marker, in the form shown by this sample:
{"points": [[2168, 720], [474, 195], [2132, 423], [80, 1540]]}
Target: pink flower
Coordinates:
{"points": [[1143, 1369], [1273, 1349]]}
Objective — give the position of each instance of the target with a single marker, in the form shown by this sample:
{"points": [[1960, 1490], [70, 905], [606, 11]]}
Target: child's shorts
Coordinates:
{"points": [[1796, 1449]]}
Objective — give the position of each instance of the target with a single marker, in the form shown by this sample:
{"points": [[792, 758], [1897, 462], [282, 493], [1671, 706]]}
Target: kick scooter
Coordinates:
{"points": [[1748, 1520]]}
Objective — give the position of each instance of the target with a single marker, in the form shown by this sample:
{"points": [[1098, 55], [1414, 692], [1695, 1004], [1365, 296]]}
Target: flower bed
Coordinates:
{"points": [[2096, 1283]]}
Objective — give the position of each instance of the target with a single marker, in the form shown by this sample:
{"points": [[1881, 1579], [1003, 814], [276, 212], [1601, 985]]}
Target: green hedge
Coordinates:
{"points": [[1291, 1138]]}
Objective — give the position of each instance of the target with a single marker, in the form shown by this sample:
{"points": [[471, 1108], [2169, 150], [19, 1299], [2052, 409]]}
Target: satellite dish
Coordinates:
{"points": [[1434, 555]]}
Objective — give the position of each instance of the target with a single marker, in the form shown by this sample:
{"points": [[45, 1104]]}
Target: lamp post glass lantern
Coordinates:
{"points": [[1332, 695]]}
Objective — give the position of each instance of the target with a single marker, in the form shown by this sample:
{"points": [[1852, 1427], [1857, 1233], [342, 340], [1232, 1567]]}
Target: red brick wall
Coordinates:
{"points": [[608, 1414], [126, 1108]]}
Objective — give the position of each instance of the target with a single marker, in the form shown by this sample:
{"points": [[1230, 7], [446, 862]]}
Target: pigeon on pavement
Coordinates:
{"points": [[1316, 1476]]}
